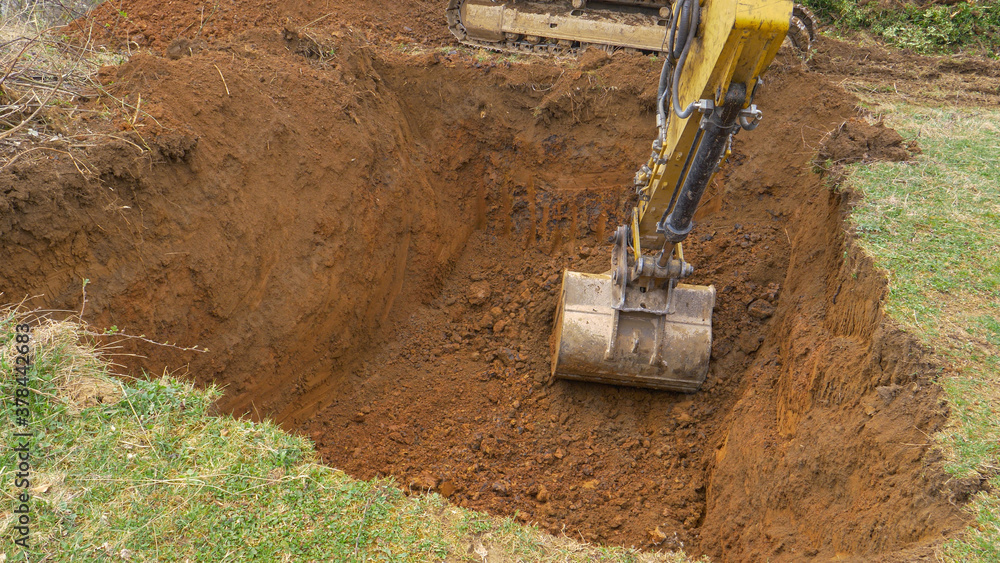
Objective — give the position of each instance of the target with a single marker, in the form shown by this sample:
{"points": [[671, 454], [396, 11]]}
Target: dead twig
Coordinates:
{"points": [[223, 79]]}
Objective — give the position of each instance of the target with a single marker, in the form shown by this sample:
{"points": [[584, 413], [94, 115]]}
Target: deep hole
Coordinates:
{"points": [[383, 277]]}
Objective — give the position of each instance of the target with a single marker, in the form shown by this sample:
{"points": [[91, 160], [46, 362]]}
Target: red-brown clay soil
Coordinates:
{"points": [[369, 244]]}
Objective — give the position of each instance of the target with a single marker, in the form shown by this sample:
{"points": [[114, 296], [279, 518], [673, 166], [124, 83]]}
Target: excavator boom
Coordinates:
{"points": [[637, 324]]}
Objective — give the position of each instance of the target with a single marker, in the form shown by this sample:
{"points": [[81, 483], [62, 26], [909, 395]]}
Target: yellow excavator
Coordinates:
{"points": [[639, 325]]}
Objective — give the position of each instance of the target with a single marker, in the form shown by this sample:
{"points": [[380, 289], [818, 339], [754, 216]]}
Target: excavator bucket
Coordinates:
{"points": [[659, 338]]}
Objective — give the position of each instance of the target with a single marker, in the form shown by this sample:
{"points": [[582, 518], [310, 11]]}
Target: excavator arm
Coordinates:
{"points": [[637, 324]]}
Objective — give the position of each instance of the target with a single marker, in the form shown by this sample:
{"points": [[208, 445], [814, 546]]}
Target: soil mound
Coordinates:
{"points": [[875, 70], [857, 141]]}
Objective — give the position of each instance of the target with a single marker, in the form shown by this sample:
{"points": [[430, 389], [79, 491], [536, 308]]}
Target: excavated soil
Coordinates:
{"points": [[369, 243]]}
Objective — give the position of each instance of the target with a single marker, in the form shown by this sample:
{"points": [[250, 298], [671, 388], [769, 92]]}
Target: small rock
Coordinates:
{"points": [[508, 356], [358, 417], [656, 535], [478, 292], [499, 326], [760, 309], [500, 488]]}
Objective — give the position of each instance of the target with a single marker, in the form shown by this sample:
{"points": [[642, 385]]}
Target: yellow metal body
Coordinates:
{"points": [[736, 42], [629, 328]]}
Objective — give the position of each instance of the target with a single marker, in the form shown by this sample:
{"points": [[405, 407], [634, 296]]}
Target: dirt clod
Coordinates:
{"points": [[656, 535], [423, 482], [542, 495], [760, 309], [479, 293]]}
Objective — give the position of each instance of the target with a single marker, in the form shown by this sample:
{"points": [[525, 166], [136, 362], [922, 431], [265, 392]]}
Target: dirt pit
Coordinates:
{"points": [[369, 243]]}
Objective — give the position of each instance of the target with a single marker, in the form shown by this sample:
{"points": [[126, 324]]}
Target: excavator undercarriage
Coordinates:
{"points": [[565, 27]]}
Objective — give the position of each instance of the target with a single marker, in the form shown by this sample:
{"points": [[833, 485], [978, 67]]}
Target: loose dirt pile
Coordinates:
{"points": [[369, 243]]}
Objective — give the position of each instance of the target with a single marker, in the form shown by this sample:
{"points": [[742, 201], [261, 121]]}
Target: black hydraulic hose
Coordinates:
{"points": [[681, 22], [672, 26], [690, 17], [662, 94], [663, 90]]}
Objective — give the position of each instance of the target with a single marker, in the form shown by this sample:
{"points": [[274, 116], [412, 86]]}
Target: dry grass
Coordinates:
{"points": [[46, 81]]}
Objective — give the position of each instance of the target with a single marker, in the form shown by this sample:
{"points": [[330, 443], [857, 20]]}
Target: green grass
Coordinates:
{"points": [[923, 27], [145, 472], [933, 224]]}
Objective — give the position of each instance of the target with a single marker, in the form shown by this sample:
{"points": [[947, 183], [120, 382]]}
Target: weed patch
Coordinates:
{"points": [[934, 28]]}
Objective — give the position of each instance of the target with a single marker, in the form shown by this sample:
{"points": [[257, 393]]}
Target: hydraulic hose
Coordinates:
{"points": [[690, 16], [663, 90]]}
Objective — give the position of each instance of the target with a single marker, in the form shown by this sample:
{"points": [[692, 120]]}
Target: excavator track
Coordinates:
{"points": [[570, 27], [557, 28]]}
